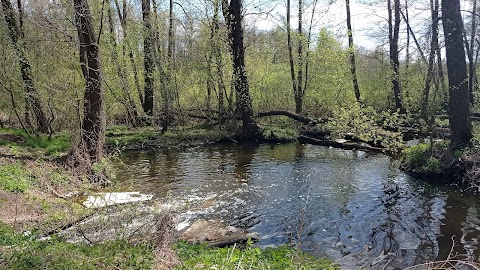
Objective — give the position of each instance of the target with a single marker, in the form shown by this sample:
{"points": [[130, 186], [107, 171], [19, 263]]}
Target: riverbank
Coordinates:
{"points": [[40, 197]]}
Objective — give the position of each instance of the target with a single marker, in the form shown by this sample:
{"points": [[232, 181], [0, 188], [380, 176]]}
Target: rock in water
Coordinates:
{"points": [[215, 233]]}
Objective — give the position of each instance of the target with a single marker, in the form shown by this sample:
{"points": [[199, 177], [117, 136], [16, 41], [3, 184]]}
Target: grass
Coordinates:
{"points": [[55, 145], [279, 134], [14, 177], [203, 257], [24, 252]]}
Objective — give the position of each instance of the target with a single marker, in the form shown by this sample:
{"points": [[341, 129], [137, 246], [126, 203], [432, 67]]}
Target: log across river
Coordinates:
{"points": [[354, 207]]}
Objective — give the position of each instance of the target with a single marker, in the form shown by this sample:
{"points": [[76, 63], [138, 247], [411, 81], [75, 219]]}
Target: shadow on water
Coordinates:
{"points": [[355, 207]]}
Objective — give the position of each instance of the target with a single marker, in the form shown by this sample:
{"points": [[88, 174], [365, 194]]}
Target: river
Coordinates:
{"points": [[354, 207]]}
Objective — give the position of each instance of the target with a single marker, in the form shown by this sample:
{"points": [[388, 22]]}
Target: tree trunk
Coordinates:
{"points": [[222, 92], [290, 57], [431, 58], [149, 63], [393, 34], [300, 91], [93, 125], [441, 76], [244, 102], [31, 95], [471, 60], [122, 15], [459, 105], [352, 54]]}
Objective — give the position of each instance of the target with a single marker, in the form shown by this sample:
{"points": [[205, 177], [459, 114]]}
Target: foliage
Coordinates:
{"points": [[14, 178], [432, 166], [25, 252], [417, 155], [203, 257], [362, 124], [279, 134]]}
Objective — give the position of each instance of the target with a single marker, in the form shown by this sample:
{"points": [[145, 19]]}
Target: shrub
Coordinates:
{"points": [[415, 156], [432, 166]]}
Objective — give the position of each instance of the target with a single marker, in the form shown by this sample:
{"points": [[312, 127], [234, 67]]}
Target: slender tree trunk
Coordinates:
{"points": [[292, 63], [93, 125], [222, 92], [351, 46], [16, 34], [441, 76], [309, 40], [300, 91], [459, 105], [406, 84], [244, 102], [393, 33], [414, 37], [149, 63], [431, 58], [122, 15], [471, 60]]}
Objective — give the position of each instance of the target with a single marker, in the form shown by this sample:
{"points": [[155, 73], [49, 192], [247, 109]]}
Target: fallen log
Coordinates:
{"points": [[475, 117], [339, 144], [294, 116]]}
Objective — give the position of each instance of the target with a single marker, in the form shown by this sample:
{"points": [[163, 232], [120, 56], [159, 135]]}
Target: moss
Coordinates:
{"points": [[203, 257]]}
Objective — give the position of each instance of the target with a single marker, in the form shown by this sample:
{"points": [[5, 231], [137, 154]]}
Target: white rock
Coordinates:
{"points": [[183, 225], [112, 198]]}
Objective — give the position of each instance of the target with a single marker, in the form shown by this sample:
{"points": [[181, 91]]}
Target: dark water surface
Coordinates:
{"points": [[358, 208]]}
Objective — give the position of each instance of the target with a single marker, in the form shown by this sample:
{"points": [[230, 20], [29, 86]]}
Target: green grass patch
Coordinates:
{"points": [[14, 177], [23, 252], [279, 134], [203, 257], [58, 143]]}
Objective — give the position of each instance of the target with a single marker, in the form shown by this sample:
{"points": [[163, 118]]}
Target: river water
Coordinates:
{"points": [[351, 206]]}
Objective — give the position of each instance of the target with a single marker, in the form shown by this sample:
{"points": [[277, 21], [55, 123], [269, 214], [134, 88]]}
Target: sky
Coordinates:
{"points": [[369, 18]]}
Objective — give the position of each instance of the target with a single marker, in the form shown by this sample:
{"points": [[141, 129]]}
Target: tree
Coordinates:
{"points": [[93, 125], [126, 99], [122, 15], [16, 35], [233, 16], [393, 35], [149, 63], [459, 107], [352, 53], [431, 57], [297, 85]]}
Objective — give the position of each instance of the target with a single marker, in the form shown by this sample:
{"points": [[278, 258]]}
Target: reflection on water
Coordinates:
{"points": [[358, 208]]}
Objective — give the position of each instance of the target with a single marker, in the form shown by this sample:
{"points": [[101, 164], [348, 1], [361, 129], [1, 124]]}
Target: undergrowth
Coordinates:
{"points": [[14, 177], [19, 251], [203, 257]]}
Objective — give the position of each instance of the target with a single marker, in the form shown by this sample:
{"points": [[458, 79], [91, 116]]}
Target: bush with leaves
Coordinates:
{"points": [[362, 123]]}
